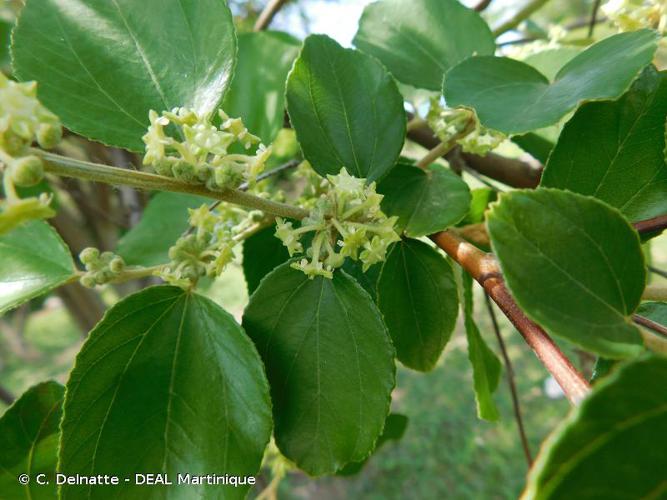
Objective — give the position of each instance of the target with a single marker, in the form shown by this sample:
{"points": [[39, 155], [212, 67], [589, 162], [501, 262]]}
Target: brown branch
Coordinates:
{"points": [[267, 15], [650, 324], [651, 225], [482, 5], [484, 269], [6, 396], [509, 171], [510, 382]]}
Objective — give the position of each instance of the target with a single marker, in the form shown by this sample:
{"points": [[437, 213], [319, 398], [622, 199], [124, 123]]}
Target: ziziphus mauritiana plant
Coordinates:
{"points": [[357, 255]]}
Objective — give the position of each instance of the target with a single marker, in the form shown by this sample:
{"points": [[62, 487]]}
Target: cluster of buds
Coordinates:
{"points": [[101, 268], [200, 152], [345, 222], [23, 120], [452, 124], [631, 15], [207, 248]]}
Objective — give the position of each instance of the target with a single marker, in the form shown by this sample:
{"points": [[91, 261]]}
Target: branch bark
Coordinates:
{"points": [[484, 269], [267, 15], [651, 225]]}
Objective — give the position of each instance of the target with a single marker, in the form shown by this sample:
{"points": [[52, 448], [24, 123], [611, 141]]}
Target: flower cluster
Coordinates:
{"points": [[345, 222], [449, 123], [630, 15], [101, 268], [189, 147], [23, 120], [207, 248]]}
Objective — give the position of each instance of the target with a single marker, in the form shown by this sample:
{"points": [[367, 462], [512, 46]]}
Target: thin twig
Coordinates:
{"points": [[523, 14], [474, 173], [6, 396], [650, 324], [651, 225], [270, 173], [580, 23], [267, 15], [594, 15], [482, 5], [485, 270], [657, 271], [510, 381]]}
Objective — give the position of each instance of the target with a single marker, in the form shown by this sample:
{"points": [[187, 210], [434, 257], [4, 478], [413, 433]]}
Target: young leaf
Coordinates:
{"points": [[424, 201], [611, 445], [346, 110], [262, 253], [394, 428], [103, 64], [419, 40], [513, 97], [615, 151], [330, 366], [167, 382], [573, 264], [29, 441], [257, 92], [34, 261], [486, 366], [163, 221], [418, 299]]}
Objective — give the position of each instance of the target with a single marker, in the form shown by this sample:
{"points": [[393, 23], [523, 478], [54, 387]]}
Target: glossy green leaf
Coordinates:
{"points": [[103, 64], [485, 364], [573, 264], [513, 97], [346, 110], [550, 61], [611, 446], [615, 151], [418, 299], [167, 382], [5, 40], [367, 279], [257, 93], [29, 442], [425, 201], [394, 428], [419, 40], [262, 253], [34, 260], [330, 366], [164, 220]]}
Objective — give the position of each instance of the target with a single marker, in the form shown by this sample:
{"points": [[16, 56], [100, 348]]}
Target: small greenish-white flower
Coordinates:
{"points": [[101, 267], [23, 210], [290, 238], [632, 15]]}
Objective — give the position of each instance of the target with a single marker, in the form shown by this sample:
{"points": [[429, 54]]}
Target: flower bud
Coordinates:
{"points": [[89, 255], [49, 135], [88, 281], [117, 265], [27, 171]]}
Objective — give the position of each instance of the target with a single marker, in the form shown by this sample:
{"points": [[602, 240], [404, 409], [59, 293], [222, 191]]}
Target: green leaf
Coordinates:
{"points": [[574, 265], [394, 428], [615, 151], [257, 93], [513, 97], [169, 383], [419, 40], [34, 261], [550, 61], [537, 146], [425, 201], [164, 220], [262, 253], [367, 279], [418, 299], [657, 313], [29, 441], [485, 364], [346, 110], [330, 366], [103, 64], [5, 40], [479, 203], [611, 446]]}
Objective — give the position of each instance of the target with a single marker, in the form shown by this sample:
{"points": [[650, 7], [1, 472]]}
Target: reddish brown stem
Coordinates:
{"points": [[484, 269], [650, 225], [650, 324]]}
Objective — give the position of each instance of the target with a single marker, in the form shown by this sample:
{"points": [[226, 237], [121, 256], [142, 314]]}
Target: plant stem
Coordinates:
{"points": [[657, 271], [523, 14], [510, 382], [484, 269], [69, 167], [650, 324], [6, 396], [651, 225], [267, 15], [655, 292], [482, 5], [443, 148]]}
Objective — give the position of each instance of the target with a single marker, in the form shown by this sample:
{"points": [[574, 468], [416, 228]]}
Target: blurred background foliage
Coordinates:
{"points": [[446, 451]]}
